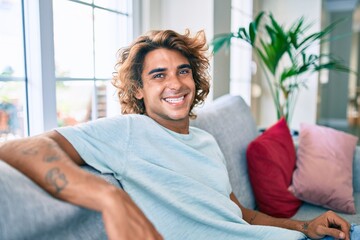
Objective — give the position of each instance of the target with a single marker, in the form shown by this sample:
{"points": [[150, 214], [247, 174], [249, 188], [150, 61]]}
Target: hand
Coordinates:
{"points": [[124, 220], [327, 224]]}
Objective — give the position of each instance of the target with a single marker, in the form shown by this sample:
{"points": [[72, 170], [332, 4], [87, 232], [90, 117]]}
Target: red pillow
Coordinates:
{"points": [[271, 162]]}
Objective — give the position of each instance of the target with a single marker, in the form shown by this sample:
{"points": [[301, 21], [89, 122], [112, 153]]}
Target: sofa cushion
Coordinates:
{"points": [[310, 211], [271, 162], [42, 216], [229, 120], [324, 168]]}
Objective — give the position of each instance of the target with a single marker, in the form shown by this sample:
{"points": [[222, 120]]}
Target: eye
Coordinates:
{"points": [[158, 75], [184, 71]]}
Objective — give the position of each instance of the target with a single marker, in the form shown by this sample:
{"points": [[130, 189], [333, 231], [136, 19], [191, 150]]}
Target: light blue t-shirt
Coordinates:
{"points": [[179, 181]]}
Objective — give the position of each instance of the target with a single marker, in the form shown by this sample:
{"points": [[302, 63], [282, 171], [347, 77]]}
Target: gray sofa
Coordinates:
{"points": [[28, 212]]}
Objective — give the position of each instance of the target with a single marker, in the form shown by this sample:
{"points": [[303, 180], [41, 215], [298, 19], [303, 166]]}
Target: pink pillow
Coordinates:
{"points": [[323, 174], [271, 162]]}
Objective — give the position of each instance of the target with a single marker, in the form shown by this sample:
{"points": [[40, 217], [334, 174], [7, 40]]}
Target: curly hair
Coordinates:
{"points": [[129, 66]]}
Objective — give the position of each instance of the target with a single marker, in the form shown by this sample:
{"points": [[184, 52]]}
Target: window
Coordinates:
{"points": [[57, 62], [12, 71], [87, 36]]}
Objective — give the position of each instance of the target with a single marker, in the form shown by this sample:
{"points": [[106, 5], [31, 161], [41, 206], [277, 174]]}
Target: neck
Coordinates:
{"points": [[182, 128], [178, 126]]}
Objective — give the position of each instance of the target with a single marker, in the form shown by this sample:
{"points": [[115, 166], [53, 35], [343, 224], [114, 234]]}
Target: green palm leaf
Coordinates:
{"points": [[220, 40], [272, 44]]}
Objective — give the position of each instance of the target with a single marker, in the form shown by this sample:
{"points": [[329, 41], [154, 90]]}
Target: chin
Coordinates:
{"points": [[178, 117]]}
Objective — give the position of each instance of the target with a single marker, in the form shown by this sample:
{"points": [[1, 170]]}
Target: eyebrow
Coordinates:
{"points": [[156, 70], [184, 66]]}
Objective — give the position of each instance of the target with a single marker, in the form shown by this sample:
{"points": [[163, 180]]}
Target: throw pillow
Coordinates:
{"points": [[271, 162], [323, 174]]}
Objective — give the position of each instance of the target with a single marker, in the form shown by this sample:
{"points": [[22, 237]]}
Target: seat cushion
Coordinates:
{"points": [[40, 215]]}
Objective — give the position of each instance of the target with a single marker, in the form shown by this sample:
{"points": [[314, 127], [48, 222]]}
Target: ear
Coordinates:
{"points": [[139, 94]]}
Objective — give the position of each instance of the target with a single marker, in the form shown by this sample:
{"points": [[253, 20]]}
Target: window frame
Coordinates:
{"points": [[40, 79]]}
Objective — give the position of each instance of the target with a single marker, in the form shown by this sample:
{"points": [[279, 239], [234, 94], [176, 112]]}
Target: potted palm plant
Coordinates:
{"points": [[283, 57]]}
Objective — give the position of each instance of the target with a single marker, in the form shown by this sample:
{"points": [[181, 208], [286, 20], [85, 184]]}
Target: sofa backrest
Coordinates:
{"points": [[356, 170], [230, 121]]}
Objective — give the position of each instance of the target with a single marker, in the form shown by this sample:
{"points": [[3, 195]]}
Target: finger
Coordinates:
{"points": [[345, 228], [332, 232], [341, 224]]}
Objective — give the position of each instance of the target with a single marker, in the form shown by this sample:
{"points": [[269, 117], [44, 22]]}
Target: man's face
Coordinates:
{"points": [[168, 88]]}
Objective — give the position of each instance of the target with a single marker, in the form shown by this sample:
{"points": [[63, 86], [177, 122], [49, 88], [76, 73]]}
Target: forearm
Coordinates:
{"points": [[326, 224], [51, 162], [43, 161], [258, 218]]}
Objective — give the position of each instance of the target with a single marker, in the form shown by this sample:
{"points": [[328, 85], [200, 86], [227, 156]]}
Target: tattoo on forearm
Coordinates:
{"points": [[30, 151], [253, 217], [57, 179], [52, 145], [51, 158], [54, 157], [305, 226]]}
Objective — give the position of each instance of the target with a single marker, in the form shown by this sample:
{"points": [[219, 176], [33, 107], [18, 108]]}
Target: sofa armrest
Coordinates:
{"points": [[356, 170], [28, 212]]}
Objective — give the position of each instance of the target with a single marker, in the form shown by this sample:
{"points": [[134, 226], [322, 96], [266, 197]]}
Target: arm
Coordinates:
{"points": [[327, 224], [52, 162]]}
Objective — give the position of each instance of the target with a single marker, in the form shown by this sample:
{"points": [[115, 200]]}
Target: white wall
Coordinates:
{"points": [[285, 12], [178, 15], [199, 14]]}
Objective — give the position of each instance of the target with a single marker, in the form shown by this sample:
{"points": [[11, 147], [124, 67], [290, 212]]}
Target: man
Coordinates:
{"points": [[175, 181]]}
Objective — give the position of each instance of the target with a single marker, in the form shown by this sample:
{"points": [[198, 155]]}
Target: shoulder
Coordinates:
{"points": [[111, 125], [101, 132], [117, 120]]}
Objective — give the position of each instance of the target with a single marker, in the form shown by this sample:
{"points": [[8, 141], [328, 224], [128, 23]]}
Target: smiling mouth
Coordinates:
{"points": [[174, 100]]}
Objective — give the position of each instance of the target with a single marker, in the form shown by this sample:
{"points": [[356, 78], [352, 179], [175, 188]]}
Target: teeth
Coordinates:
{"points": [[174, 100]]}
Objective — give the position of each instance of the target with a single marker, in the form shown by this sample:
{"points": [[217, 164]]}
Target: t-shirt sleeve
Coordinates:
{"points": [[101, 143]]}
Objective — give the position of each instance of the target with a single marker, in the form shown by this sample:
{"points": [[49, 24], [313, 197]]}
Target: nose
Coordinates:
{"points": [[173, 82]]}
